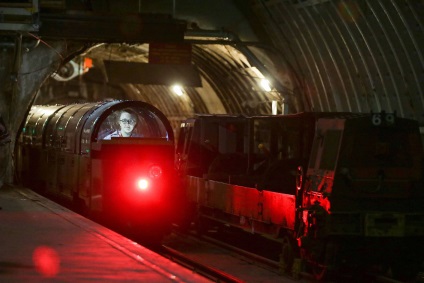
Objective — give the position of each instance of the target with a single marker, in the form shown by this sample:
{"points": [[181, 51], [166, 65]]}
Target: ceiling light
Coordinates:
{"points": [[265, 85], [178, 90]]}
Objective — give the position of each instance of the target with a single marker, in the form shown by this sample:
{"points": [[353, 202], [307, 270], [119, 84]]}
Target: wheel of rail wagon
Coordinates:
{"points": [[320, 271], [323, 269], [287, 256]]}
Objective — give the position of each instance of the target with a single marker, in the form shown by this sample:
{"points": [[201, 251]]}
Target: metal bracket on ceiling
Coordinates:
{"points": [[68, 71]]}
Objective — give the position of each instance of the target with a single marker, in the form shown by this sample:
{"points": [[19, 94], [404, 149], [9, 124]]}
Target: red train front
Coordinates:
{"points": [[114, 159], [135, 182]]}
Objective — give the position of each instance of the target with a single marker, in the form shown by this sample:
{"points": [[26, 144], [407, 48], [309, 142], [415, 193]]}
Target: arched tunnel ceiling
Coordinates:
{"points": [[230, 84], [349, 55]]}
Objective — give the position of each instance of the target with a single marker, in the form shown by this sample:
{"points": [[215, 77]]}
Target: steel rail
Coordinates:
{"points": [[202, 269]]}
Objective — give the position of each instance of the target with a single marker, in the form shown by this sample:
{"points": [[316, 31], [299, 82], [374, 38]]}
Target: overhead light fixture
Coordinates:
{"points": [[72, 69], [265, 85], [178, 90]]}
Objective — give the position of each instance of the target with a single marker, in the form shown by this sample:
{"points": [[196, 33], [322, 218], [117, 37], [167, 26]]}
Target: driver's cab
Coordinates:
{"points": [[323, 160], [279, 145], [206, 141]]}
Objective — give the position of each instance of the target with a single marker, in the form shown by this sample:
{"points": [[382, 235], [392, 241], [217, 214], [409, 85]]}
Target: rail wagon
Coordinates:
{"points": [[339, 191]]}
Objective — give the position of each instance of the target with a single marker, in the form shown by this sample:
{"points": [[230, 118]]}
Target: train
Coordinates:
{"points": [[112, 160], [337, 192]]}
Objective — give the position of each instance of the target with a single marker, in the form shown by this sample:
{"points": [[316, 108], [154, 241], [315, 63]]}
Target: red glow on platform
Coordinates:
{"points": [[46, 261]]}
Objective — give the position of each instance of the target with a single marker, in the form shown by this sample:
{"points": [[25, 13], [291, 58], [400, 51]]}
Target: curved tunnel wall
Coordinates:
{"points": [[356, 56]]}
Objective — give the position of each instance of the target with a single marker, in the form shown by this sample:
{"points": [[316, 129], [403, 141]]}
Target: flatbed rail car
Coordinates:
{"points": [[337, 190], [75, 153]]}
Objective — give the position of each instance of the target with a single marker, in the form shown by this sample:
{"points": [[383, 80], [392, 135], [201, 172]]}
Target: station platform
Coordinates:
{"points": [[41, 241]]}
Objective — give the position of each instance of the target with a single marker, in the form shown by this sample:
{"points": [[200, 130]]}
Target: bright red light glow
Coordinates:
{"points": [[143, 184], [46, 261]]}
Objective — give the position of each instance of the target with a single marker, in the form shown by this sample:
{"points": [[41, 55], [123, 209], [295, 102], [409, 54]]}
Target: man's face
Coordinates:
{"points": [[127, 123]]}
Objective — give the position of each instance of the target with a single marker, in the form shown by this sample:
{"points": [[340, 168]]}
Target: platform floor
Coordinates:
{"points": [[41, 241]]}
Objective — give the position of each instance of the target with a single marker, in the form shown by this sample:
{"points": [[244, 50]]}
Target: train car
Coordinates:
{"points": [[339, 191], [115, 159]]}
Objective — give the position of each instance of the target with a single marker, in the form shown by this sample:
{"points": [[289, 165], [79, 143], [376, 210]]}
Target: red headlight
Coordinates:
{"points": [[143, 184]]}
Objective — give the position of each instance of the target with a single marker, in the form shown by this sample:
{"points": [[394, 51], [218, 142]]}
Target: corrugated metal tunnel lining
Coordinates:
{"points": [[352, 55]]}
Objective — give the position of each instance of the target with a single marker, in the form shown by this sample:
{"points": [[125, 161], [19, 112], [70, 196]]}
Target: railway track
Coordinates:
{"points": [[192, 254], [210, 272], [225, 262]]}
